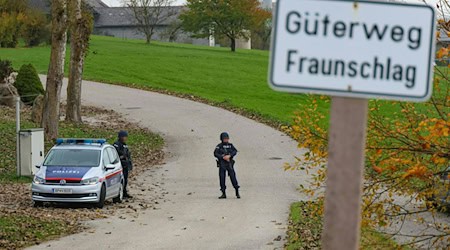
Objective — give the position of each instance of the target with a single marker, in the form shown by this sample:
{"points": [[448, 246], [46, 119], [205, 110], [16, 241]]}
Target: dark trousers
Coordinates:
{"points": [[125, 180], [223, 174]]}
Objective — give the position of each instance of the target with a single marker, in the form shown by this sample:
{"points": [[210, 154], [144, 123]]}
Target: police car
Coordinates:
{"points": [[79, 170]]}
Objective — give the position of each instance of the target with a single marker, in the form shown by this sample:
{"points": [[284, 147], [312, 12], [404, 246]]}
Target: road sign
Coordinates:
{"points": [[353, 49]]}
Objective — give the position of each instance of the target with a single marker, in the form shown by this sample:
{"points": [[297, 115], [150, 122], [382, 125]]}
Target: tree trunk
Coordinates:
{"points": [[55, 75], [149, 36], [233, 44], [78, 48]]}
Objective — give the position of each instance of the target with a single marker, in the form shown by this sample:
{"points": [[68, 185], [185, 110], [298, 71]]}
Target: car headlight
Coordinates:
{"points": [[90, 181], [38, 180]]}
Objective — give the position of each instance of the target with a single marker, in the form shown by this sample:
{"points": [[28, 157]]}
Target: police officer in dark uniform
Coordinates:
{"points": [[125, 158], [225, 152]]}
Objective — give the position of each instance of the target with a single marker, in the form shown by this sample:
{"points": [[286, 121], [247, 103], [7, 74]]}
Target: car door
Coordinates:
{"points": [[107, 172], [114, 177]]}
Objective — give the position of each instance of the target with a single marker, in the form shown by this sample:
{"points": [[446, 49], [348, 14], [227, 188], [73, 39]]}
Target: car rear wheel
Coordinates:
{"points": [[38, 203], [101, 202], [119, 197]]}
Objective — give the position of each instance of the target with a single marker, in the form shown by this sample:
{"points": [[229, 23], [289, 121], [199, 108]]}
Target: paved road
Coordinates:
{"points": [[192, 217]]}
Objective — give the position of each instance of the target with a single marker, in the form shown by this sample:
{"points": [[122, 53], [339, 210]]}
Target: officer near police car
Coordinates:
{"points": [[225, 153], [125, 159]]}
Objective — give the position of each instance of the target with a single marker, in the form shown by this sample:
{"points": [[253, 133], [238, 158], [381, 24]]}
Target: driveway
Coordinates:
{"points": [[189, 215]]}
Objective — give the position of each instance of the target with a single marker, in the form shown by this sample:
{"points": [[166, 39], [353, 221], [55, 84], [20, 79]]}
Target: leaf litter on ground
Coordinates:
{"points": [[22, 225]]}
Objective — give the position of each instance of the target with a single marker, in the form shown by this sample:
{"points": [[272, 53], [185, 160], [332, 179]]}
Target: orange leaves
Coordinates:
{"points": [[377, 169], [418, 171], [442, 52]]}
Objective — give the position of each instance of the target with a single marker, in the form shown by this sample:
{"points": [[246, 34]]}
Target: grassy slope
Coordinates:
{"points": [[216, 74], [21, 230]]}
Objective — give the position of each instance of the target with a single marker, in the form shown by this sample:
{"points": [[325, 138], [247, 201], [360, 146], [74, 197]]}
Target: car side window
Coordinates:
{"points": [[106, 159], [113, 156]]}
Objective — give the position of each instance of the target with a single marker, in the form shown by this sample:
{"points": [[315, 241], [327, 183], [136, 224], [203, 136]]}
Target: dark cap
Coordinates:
{"points": [[122, 133]]}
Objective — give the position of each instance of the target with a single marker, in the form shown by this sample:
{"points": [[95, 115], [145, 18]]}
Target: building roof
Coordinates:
{"points": [[124, 16], [96, 3], [45, 5], [42, 5]]}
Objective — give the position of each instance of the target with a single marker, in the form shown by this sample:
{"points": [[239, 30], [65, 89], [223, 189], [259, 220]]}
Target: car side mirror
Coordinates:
{"points": [[109, 167]]}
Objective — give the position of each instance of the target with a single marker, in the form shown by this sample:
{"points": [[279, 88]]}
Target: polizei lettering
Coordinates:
{"points": [[315, 24]]}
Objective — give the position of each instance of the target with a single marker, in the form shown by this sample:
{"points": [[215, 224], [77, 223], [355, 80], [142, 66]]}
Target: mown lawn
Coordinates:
{"points": [[236, 79], [305, 228]]}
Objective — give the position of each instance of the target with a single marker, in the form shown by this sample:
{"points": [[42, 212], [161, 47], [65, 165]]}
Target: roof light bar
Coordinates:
{"points": [[60, 141]]}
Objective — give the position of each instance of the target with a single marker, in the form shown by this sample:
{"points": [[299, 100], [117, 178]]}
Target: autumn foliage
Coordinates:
{"points": [[230, 18], [407, 150]]}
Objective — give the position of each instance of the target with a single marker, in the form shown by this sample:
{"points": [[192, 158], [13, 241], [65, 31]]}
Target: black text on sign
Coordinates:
{"points": [[363, 49]]}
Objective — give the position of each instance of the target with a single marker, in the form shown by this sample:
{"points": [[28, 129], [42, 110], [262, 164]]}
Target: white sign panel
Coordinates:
{"points": [[357, 49]]}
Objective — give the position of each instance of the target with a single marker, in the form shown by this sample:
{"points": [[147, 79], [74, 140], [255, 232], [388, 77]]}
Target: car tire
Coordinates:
{"points": [[119, 197], [101, 202], [38, 203]]}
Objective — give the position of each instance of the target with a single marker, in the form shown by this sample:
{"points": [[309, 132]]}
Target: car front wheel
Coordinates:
{"points": [[101, 202], [119, 197]]}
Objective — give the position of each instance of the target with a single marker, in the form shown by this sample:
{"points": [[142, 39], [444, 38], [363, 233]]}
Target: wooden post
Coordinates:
{"points": [[347, 138]]}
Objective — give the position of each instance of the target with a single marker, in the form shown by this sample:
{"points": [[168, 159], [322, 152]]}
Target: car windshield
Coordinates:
{"points": [[73, 157]]}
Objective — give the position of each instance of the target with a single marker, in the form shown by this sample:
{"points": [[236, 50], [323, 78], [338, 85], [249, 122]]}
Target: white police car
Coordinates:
{"points": [[79, 170]]}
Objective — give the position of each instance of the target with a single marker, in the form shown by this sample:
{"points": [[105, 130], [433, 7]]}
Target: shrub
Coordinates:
{"points": [[28, 84], [9, 29], [34, 28], [5, 69]]}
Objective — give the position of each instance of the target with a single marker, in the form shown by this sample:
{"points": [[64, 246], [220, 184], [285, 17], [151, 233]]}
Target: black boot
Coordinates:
{"points": [[224, 196], [237, 194]]}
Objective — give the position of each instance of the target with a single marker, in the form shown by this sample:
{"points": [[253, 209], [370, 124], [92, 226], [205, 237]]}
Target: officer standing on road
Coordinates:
{"points": [[225, 152], [125, 158]]}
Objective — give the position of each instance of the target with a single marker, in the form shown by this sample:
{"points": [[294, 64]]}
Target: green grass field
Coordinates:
{"points": [[236, 79]]}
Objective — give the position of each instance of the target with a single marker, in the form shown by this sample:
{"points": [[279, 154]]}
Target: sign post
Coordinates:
{"points": [[352, 51], [347, 138]]}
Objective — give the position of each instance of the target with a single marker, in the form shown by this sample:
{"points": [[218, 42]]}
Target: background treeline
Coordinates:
{"points": [[19, 22]]}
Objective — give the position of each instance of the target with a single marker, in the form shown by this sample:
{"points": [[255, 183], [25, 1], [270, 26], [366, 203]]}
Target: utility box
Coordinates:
{"points": [[31, 150]]}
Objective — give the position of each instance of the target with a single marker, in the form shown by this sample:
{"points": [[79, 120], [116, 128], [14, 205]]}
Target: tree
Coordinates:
{"points": [[55, 75], [16, 20], [407, 151], [172, 32], [34, 28], [149, 14], [81, 25], [231, 18], [262, 31], [13, 6]]}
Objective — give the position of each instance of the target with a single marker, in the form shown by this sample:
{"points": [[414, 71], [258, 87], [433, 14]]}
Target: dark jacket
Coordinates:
{"points": [[124, 154], [222, 150]]}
